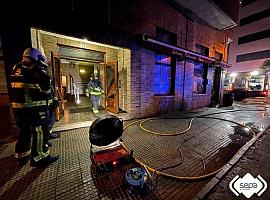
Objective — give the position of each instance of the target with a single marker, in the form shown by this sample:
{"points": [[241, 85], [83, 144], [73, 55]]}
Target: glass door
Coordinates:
{"points": [[57, 85], [111, 87]]}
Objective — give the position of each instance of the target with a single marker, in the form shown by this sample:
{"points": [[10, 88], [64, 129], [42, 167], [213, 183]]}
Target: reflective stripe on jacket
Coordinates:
{"points": [[30, 87], [31, 104], [24, 85], [95, 93], [94, 87]]}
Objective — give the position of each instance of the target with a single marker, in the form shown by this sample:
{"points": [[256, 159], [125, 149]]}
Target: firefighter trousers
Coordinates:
{"points": [[31, 139], [47, 128]]}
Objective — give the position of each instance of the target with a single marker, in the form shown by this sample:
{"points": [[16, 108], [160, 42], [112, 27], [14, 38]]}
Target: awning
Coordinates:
{"points": [[209, 12], [186, 53]]}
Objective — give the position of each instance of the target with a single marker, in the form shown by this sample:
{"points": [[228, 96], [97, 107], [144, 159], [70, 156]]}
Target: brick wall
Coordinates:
{"points": [[136, 62], [147, 19], [124, 75], [148, 104], [143, 17], [135, 82]]}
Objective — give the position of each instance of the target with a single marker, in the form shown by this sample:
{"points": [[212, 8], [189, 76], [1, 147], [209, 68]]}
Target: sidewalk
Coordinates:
{"points": [[256, 162], [208, 145]]}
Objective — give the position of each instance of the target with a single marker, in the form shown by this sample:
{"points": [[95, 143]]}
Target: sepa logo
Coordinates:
{"points": [[248, 185]]}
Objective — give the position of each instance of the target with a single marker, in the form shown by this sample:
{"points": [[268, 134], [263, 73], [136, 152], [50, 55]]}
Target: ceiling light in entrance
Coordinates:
{"points": [[82, 71]]}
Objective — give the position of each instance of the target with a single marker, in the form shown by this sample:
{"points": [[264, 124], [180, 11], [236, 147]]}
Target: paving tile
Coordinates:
{"points": [[68, 181], [199, 151], [44, 190]]}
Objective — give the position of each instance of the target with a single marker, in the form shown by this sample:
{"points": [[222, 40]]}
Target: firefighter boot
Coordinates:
{"points": [[49, 144], [53, 135], [23, 160], [45, 162], [95, 111]]}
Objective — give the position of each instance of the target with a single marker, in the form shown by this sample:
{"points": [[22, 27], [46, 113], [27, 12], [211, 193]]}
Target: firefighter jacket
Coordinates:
{"points": [[94, 87], [30, 86]]}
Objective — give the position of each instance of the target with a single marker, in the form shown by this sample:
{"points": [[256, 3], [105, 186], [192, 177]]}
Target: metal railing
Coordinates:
{"points": [[75, 89]]}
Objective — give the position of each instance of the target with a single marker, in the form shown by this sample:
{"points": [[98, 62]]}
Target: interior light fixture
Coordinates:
{"points": [[233, 74], [82, 71]]}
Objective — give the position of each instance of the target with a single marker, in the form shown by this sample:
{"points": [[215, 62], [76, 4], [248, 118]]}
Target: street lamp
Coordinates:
{"points": [[254, 73], [268, 83]]}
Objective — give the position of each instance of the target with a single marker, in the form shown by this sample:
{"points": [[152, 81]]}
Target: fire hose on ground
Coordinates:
{"points": [[189, 178]]}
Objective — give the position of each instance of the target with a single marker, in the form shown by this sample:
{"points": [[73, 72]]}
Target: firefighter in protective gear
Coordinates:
{"points": [[30, 98], [95, 90], [52, 117], [52, 105]]}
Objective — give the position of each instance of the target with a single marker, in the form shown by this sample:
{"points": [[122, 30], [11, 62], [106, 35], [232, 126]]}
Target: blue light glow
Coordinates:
{"points": [[162, 75]]}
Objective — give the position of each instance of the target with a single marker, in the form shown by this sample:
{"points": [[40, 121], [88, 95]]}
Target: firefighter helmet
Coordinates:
{"points": [[94, 76], [33, 54]]}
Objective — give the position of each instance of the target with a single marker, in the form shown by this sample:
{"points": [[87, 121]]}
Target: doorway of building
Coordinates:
{"points": [[215, 97], [79, 73], [57, 85]]}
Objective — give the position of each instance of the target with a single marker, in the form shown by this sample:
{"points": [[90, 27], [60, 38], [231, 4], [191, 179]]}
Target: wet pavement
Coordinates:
{"points": [[210, 143], [74, 117], [256, 161]]}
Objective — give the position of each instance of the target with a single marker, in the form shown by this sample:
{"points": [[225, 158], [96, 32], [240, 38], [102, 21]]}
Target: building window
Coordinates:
{"points": [[164, 75], [255, 17], [247, 2], [218, 56], [200, 71], [202, 49], [200, 78], [254, 36], [166, 36], [253, 56]]}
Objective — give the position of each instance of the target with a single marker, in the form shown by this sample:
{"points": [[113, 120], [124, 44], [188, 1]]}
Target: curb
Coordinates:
{"points": [[76, 125], [67, 127], [214, 181]]}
